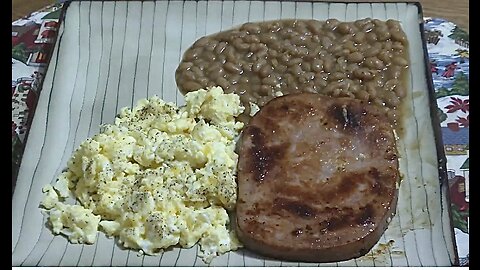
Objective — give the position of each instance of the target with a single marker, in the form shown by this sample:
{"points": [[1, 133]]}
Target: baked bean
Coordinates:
{"points": [[350, 45], [222, 82], [296, 70], [371, 37], [326, 42], [232, 68], [400, 61], [251, 28], [374, 63], [398, 35], [216, 72], [220, 47], [391, 84], [344, 28], [201, 42], [385, 56], [366, 59], [317, 65], [336, 76], [362, 95], [265, 70], [359, 37], [355, 57], [363, 74], [383, 33], [252, 39], [306, 66], [400, 91], [331, 24], [394, 72], [191, 85], [397, 45], [234, 78], [270, 80], [328, 65], [294, 61]]}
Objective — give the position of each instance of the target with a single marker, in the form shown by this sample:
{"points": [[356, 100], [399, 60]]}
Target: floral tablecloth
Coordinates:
{"points": [[448, 47]]}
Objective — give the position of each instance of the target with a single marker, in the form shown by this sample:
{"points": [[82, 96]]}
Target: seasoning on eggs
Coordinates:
{"points": [[158, 177]]}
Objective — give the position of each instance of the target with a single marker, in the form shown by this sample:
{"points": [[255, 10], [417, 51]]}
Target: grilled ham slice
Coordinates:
{"points": [[317, 178]]}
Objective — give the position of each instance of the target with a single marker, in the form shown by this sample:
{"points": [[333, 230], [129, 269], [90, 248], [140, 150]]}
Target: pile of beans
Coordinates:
{"points": [[366, 59]]}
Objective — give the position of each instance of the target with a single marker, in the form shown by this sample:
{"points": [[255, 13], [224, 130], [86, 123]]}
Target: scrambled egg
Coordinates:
{"points": [[160, 176]]}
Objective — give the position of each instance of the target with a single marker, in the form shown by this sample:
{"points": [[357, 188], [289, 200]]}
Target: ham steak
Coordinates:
{"points": [[317, 178]]}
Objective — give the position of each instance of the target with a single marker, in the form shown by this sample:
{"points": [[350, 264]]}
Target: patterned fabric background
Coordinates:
{"points": [[448, 46]]}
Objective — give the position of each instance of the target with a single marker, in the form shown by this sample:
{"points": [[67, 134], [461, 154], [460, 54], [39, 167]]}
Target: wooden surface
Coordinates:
{"points": [[455, 11]]}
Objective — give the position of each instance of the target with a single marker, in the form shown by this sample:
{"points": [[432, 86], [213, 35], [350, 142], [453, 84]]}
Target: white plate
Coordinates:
{"points": [[111, 54]]}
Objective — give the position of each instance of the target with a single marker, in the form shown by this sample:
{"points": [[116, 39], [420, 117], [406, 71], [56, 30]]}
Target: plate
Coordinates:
{"points": [[110, 54]]}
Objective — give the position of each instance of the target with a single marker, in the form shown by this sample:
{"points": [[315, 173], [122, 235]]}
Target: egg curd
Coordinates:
{"points": [[158, 177]]}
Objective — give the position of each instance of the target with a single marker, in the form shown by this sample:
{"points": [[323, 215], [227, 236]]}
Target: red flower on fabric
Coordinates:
{"points": [[464, 122], [458, 104]]}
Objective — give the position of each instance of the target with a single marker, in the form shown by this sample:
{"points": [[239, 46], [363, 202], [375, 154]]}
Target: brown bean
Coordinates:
{"points": [[328, 65], [220, 47], [216, 72], [201, 42], [258, 65], [355, 57], [326, 42], [374, 63], [268, 38], [252, 39], [234, 79], [359, 37], [393, 24], [317, 65], [270, 80], [394, 72], [197, 71], [363, 74], [232, 68], [191, 86], [371, 37], [281, 68], [240, 45], [385, 56], [251, 28], [350, 45], [398, 35], [296, 70], [400, 61], [205, 82], [383, 33], [315, 26], [335, 48], [391, 99], [294, 61], [211, 45], [362, 95], [397, 46], [331, 24], [400, 91], [344, 28], [222, 82], [189, 75], [192, 54], [265, 70], [368, 27], [209, 56], [185, 66], [306, 66], [391, 84], [336, 76]]}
